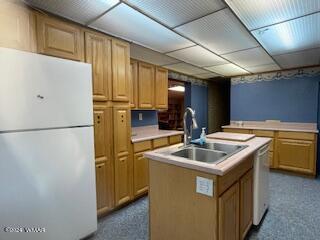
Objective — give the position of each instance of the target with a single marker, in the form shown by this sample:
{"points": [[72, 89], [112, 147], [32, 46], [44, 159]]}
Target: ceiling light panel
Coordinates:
{"points": [[186, 68], [174, 13], [129, 24], [197, 56], [221, 32], [228, 70], [145, 54], [206, 75], [264, 68], [251, 57], [299, 59], [256, 14], [295, 35], [81, 11]]}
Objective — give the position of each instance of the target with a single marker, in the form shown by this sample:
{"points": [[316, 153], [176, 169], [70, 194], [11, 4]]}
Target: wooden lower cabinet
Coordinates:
{"points": [[140, 174], [296, 155], [229, 214]]}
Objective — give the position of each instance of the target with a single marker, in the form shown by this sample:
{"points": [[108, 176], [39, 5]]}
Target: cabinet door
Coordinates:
{"points": [[17, 27], [296, 155], [59, 38], [229, 214], [121, 70], [98, 53], [140, 174], [103, 156], [246, 203], [133, 84], [161, 88], [123, 161], [146, 85]]}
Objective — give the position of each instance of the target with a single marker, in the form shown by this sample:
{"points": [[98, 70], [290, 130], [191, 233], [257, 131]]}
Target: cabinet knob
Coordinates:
{"points": [[40, 96]]}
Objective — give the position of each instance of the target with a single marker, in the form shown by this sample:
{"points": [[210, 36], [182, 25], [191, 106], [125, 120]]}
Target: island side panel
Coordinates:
{"points": [[176, 210]]}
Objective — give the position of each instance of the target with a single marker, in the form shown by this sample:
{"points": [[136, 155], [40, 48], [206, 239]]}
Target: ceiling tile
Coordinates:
{"points": [[145, 54], [264, 68], [81, 11], [228, 70], [221, 32], [129, 24], [299, 59], [186, 68], [174, 13], [251, 57], [197, 56], [207, 75], [295, 35], [256, 14]]}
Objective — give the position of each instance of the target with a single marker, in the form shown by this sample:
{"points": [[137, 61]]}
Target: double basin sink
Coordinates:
{"points": [[208, 152]]}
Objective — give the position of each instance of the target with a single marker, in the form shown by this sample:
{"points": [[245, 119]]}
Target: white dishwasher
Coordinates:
{"points": [[260, 183]]}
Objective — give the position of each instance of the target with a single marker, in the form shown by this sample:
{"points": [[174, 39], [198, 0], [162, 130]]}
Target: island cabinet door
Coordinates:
{"points": [[229, 214], [246, 203]]}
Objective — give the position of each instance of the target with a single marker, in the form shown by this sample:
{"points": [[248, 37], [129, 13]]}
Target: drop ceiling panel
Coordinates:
{"points": [[81, 11], [264, 68], [174, 13], [145, 54], [186, 68], [228, 70], [197, 56], [299, 59], [207, 75], [295, 35], [256, 14], [127, 23], [221, 32], [251, 57]]}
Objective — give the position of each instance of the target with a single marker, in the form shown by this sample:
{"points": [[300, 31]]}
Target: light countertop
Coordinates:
{"points": [[231, 136], [151, 132], [163, 155]]}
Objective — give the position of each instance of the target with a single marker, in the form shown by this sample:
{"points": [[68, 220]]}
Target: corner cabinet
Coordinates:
{"points": [[146, 85], [59, 38], [161, 88], [98, 54], [122, 156], [17, 27], [121, 71]]}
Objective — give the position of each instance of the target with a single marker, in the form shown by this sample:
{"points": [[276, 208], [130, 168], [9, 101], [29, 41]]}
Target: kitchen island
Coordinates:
{"points": [[198, 200]]}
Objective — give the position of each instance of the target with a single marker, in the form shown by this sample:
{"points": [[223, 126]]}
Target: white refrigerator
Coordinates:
{"points": [[47, 175]]}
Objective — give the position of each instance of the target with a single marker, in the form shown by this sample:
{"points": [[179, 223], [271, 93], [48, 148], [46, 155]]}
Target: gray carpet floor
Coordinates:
{"points": [[294, 214]]}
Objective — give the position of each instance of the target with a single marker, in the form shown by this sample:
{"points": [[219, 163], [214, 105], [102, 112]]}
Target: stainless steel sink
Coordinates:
{"points": [[209, 152]]}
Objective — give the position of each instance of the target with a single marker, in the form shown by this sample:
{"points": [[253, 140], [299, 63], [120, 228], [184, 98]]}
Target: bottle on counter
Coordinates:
{"points": [[203, 138]]}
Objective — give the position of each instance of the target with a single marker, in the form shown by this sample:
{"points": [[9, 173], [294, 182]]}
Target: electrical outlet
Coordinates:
{"points": [[140, 116]]}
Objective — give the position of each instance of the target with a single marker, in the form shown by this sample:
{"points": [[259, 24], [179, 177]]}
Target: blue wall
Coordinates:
{"points": [[150, 117], [290, 100]]}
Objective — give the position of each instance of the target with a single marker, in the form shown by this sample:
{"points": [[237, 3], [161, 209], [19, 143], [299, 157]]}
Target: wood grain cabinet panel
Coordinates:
{"points": [[229, 214], [161, 88], [133, 83], [146, 85], [121, 71], [98, 54], [246, 203], [296, 155], [123, 161], [140, 174], [17, 27], [59, 38]]}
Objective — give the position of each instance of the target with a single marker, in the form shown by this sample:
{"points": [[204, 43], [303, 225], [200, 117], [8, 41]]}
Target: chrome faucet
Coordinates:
{"points": [[188, 134]]}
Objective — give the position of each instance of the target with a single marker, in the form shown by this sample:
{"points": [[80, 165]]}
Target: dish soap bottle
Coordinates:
{"points": [[203, 138]]}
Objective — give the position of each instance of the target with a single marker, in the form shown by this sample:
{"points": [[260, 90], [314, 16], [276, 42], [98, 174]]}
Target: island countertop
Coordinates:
{"points": [[163, 155]]}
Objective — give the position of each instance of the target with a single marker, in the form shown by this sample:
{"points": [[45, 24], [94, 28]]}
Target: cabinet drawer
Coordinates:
{"points": [[160, 142], [175, 139], [142, 146], [263, 133], [237, 130], [297, 135]]}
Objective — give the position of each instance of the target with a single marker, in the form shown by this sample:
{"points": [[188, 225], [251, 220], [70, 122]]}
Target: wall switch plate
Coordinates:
{"points": [[204, 186], [140, 116]]}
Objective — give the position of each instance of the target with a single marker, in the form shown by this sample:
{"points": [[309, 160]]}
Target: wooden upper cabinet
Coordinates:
{"points": [[133, 83], [98, 53], [17, 27], [121, 70], [161, 88], [59, 38], [146, 85]]}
